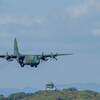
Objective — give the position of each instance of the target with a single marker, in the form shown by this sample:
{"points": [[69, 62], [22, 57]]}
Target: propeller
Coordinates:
{"points": [[8, 58], [54, 56], [44, 58]]}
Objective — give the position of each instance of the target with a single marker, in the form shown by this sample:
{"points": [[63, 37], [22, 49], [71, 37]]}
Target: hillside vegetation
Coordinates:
{"points": [[65, 94]]}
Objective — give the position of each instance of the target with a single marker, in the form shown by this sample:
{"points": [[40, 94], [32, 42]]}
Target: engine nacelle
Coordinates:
{"points": [[45, 59], [10, 59]]}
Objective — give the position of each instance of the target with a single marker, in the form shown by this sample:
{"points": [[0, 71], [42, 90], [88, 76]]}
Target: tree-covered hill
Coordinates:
{"points": [[65, 94]]}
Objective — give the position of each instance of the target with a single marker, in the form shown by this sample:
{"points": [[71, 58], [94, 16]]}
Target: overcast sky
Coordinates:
{"points": [[58, 26]]}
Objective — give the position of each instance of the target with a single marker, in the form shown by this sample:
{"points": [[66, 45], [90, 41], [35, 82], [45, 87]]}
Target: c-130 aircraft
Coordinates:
{"points": [[32, 60]]}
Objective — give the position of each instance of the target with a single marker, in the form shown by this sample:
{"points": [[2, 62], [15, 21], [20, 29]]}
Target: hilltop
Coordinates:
{"points": [[65, 94], [88, 86]]}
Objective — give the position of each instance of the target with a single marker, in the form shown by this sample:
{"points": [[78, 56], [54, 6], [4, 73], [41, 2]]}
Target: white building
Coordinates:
{"points": [[50, 86]]}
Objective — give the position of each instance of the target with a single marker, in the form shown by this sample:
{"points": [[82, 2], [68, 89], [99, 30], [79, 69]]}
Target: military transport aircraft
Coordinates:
{"points": [[32, 60]]}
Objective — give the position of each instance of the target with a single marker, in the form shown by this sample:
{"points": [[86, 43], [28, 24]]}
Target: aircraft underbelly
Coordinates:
{"points": [[31, 61]]}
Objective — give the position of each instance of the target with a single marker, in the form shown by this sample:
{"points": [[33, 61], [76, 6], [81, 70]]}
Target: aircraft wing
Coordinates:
{"points": [[64, 54], [8, 57], [50, 55], [11, 56], [2, 56], [44, 56]]}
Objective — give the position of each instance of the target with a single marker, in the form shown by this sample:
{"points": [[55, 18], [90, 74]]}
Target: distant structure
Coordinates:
{"points": [[50, 86]]}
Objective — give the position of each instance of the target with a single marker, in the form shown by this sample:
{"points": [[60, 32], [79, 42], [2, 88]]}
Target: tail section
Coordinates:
{"points": [[16, 51]]}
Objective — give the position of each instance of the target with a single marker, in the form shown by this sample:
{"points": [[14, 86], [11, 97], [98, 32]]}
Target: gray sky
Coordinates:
{"points": [[59, 26]]}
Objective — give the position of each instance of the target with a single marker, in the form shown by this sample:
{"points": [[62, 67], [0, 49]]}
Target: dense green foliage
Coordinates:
{"points": [[65, 94], [2, 97], [18, 96]]}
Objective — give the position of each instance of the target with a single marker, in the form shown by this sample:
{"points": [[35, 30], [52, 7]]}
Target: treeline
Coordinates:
{"points": [[65, 94]]}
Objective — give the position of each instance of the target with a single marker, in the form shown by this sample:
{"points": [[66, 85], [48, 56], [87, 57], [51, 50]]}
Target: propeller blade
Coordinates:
{"points": [[7, 53], [55, 58], [42, 53], [51, 55]]}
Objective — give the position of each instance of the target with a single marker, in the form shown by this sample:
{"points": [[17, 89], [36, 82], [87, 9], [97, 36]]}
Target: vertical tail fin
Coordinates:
{"points": [[16, 51]]}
